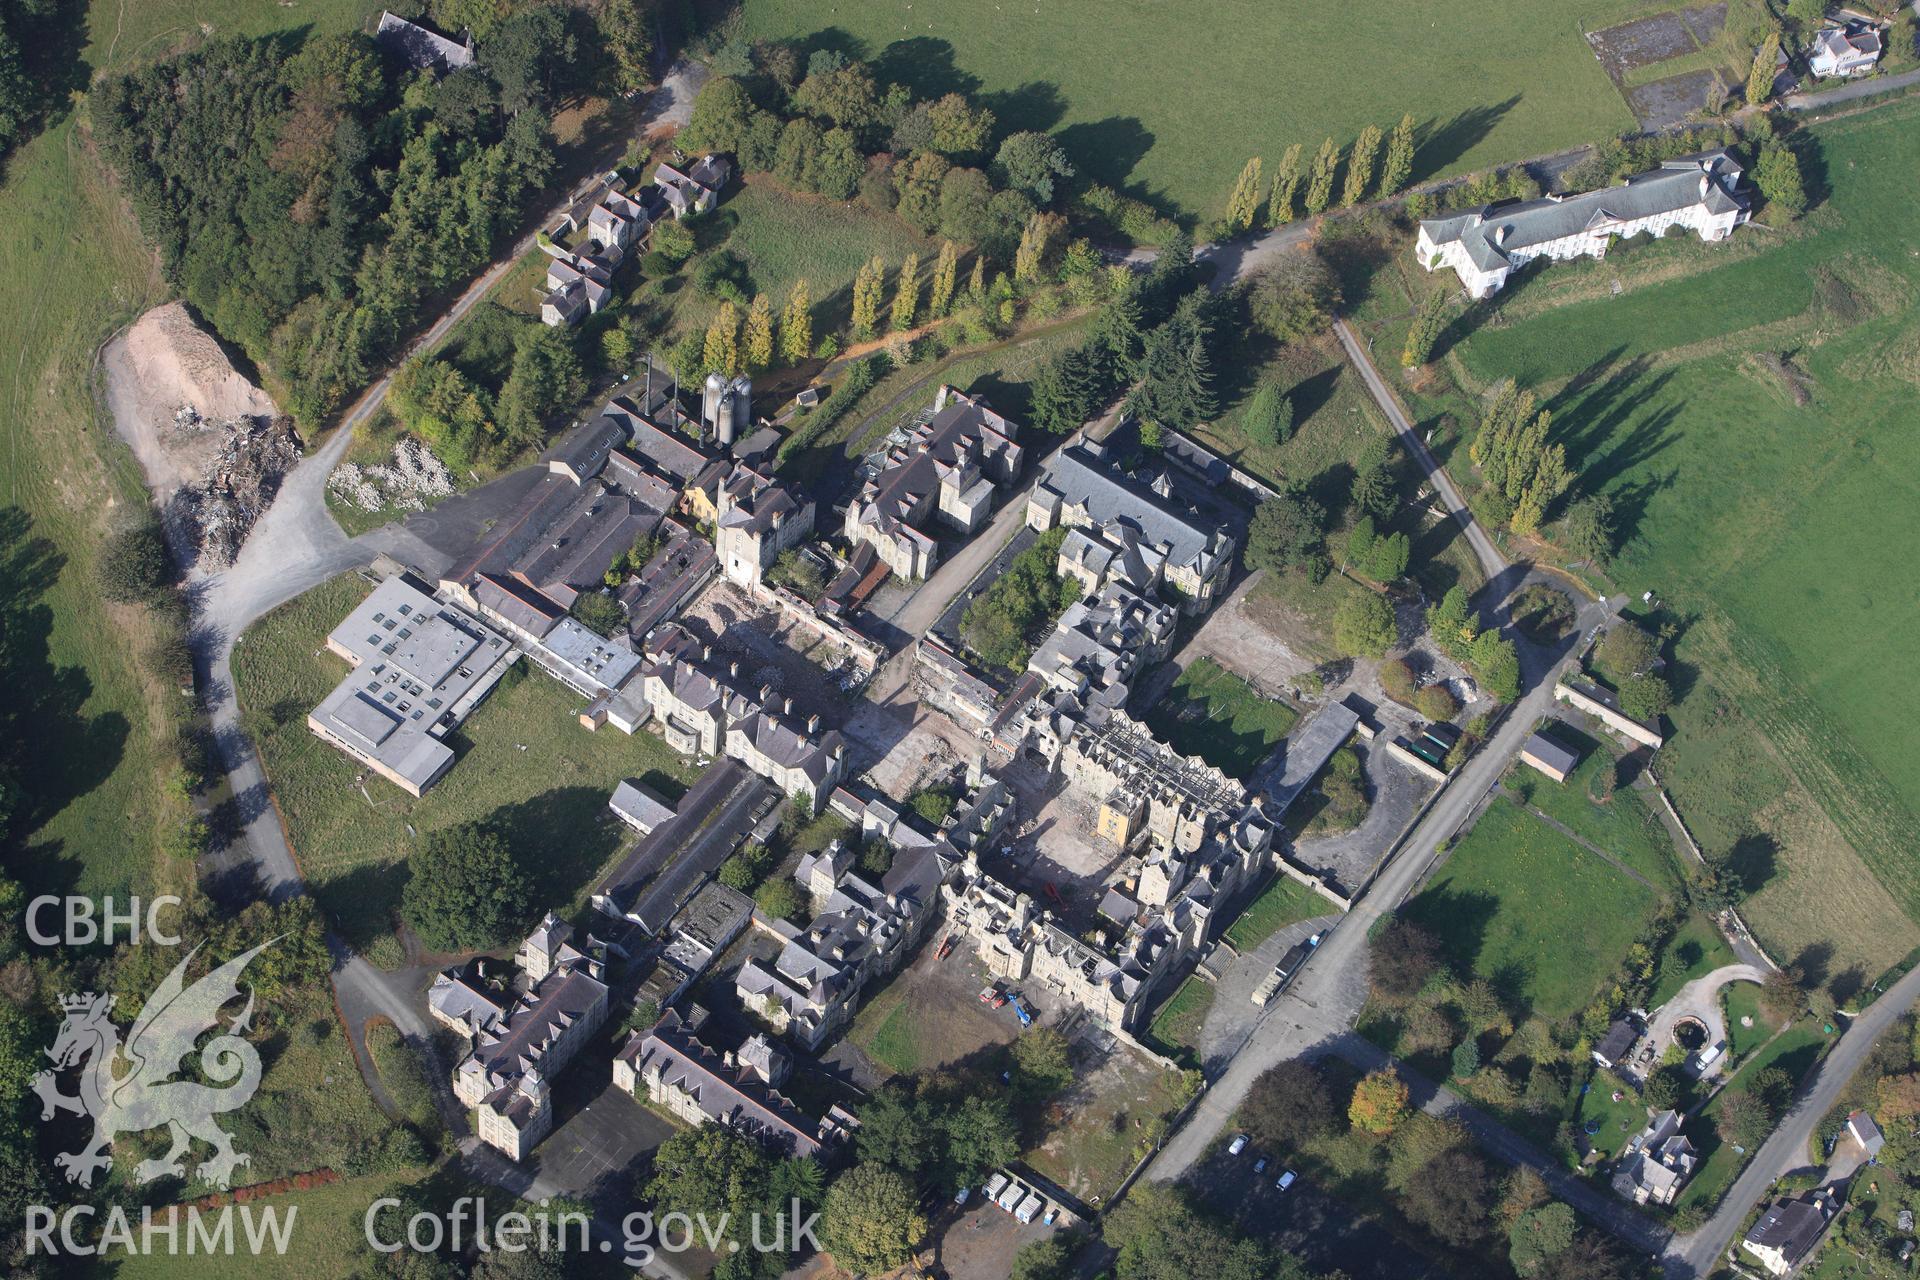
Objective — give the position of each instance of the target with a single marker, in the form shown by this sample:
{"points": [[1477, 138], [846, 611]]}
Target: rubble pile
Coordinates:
{"points": [[404, 484], [253, 454]]}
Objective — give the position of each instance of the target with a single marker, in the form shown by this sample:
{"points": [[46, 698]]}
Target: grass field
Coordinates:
{"points": [[1619, 822], [1542, 918], [1175, 1030], [1286, 901], [1744, 511], [1098, 1129], [324, 1220], [524, 761], [785, 236], [1212, 713], [1695, 950], [1220, 80]]}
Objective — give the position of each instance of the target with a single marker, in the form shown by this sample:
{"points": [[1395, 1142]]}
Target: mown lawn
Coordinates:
{"points": [[1286, 901], [1742, 1000], [1175, 1030], [524, 762], [1523, 906], [1220, 80], [1769, 527], [1212, 713]]}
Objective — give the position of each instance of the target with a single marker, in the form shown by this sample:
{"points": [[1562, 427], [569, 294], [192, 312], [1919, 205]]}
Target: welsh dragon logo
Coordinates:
{"points": [[144, 1096]]}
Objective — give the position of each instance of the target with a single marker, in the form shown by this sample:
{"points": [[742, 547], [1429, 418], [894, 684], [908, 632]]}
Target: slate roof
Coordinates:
{"points": [[583, 449], [1551, 753], [1489, 232], [732, 1095], [1081, 479], [1791, 1226], [517, 602], [421, 47]]}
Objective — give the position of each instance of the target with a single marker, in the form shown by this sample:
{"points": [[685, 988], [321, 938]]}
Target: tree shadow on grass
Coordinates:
{"points": [[925, 65], [1753, 861], [1437, 145], [1106, 151], [55, 752], [1459, 918], [363, 902], [560, 839]]}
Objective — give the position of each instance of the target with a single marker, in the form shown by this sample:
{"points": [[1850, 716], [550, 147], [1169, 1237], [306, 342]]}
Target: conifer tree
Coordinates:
{"points": [[1760, 78], [1428, 322]]}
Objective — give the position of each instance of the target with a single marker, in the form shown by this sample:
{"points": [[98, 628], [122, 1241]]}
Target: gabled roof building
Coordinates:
{"points": [[945, 471], [1144, 535], [1657, 1163], [507, 1077], [1485, 246], [421, 47]]}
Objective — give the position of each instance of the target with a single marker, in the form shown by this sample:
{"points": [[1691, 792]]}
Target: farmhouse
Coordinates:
{"points": [[739, 1089], [419, 667], [1850, 50], [1604, 705], [1547, 756], [1142, 529], [945, 470], [507, 1076], [1485, 246], [695, 190]]}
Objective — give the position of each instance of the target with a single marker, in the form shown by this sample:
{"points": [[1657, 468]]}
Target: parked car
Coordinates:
{"points": [[1285, 1180], [1238, 1144], [1051, 1214], [1260, 1165], [990, 995]]}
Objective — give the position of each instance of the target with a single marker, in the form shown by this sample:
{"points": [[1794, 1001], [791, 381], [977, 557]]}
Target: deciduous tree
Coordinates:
{"points": [[945, 269], [1320, 180], [871, 1221], [1289, 1104], [759, 339], [465, 889], [1760, 77], [1284, 197], [1429, 321], [1379, 1102], [1286, 532], [796, 325], [1032, 163], [1399, 162], [720, 353], [1268, 417], [1360, 165], [868, 285], [1243, 202], [906, 294], [1363, 625]]}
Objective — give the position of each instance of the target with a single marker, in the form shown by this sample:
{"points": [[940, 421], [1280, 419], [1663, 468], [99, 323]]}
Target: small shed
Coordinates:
{"points": [[1862, 1129], [1549, 756]]}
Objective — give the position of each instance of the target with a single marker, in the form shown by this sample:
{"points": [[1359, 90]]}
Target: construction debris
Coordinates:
{"points": [[404, 484], [252, 455]]}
